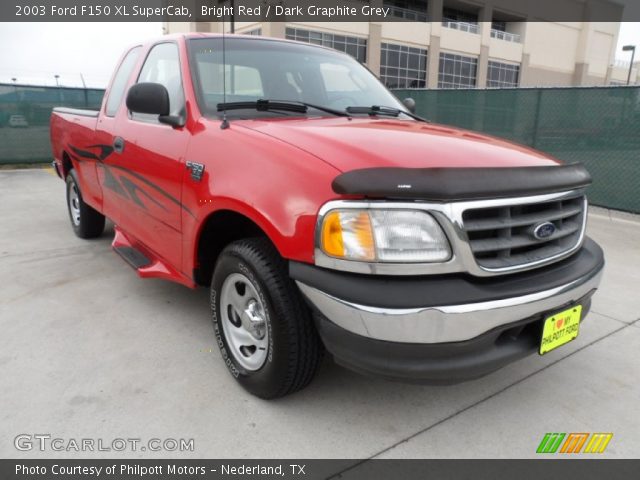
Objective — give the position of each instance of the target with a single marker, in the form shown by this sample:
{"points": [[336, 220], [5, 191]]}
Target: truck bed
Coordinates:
{"points": [[72, 129], [80, 112], [71, 126]]}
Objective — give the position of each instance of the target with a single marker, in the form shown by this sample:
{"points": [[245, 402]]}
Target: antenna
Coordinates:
{"points": [[225, 123]]}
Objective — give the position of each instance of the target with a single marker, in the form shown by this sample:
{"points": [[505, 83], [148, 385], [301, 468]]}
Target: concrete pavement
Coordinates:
{"points": [[89, 350]]}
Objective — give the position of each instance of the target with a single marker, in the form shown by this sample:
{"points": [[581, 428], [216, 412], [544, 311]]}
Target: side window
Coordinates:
{"points": [[163, 66], [120, 82]]}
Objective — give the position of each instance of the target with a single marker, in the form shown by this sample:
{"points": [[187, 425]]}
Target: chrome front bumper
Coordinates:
{"points": [[446, 323]]}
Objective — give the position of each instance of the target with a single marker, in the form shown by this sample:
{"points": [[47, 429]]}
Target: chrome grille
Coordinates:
{"points": [[502, 237]]}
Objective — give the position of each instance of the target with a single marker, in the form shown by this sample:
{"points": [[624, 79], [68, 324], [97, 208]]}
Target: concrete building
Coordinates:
{"points": [[477, 44]]}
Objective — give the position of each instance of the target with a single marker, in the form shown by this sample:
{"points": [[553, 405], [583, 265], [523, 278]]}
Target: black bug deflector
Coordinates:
{"points": [[447, 184]]}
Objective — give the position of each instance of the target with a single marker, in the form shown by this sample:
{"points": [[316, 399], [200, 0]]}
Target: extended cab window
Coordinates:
{"points": [[163, 66], [120, 81]]}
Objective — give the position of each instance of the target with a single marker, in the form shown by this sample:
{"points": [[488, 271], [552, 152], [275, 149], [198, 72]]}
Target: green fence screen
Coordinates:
{"points": [[24, 118], [597, 126]]}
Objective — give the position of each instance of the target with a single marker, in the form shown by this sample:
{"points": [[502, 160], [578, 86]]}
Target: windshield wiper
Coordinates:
{"points": [[284, 105], [332, 111], [380, 110], [263, 106]]}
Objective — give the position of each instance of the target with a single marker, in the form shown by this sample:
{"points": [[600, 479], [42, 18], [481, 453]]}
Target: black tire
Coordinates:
{"points": [[294, 347], [88, 222]]}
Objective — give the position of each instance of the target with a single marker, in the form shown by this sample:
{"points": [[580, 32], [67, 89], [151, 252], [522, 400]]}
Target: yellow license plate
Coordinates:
{"points": [[560, 328]]}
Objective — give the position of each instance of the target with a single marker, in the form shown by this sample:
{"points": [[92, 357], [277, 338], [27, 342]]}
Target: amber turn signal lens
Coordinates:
{"points": [[348, 234], [332, 243]]}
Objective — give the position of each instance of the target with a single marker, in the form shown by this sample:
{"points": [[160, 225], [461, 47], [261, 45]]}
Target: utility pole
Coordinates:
{"points": [[15, 88], [632, 49], [85, 92], [233, 17]]}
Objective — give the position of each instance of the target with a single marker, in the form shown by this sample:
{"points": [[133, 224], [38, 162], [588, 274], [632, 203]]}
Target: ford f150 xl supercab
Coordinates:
{"points": [[324, 215]]}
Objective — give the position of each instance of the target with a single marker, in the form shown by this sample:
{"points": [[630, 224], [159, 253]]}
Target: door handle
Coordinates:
{"points": [[118, 145]]}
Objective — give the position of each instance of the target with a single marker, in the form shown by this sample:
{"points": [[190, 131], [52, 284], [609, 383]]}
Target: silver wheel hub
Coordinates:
{"points": [[244, 322], [74, 204]]}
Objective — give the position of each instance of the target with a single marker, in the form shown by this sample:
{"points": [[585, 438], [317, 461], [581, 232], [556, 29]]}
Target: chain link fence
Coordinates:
{"points": [[24, 118], [597, 126]]}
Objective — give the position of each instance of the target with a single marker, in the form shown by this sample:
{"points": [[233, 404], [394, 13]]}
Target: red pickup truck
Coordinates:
{"points": [[324, 214]]}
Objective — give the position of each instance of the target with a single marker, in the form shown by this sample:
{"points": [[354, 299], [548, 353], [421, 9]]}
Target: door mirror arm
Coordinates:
{"points": [[176, 121]]}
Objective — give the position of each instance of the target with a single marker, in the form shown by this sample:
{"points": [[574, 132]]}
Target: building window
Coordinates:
{"points": [[255, 31], [502, 75], [354, 46], [500, 30], [455, 15], [413, 10], [402, 66], [457, 71], [460, 20], [499, 25]]}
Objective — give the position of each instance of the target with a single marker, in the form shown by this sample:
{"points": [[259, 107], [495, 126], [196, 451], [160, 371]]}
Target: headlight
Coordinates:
{"points": [[374, 235]]}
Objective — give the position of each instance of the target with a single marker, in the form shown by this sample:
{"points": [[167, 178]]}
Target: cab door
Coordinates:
{"points": [[102, 148], [149, 161]]}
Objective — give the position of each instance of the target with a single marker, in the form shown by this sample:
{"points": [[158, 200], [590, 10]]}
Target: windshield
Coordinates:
{"points": [[259, 69]]}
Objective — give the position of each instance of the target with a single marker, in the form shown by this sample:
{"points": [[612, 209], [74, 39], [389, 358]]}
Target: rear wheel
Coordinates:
{"points": [[85, 220], [262, 326]]}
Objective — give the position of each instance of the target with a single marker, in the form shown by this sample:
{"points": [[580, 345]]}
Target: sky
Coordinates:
{"points": [[35, 52], [38, 51], [629, 35]]}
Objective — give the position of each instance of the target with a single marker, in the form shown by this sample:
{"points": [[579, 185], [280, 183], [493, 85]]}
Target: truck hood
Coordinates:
{"points": [[380, 142]]}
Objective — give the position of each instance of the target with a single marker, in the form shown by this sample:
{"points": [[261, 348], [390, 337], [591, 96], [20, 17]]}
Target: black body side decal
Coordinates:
{"points": [[124, 185], [105, 151], [133, 190]]}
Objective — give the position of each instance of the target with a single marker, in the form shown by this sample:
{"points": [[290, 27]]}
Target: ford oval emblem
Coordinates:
{"points": [[544, 230]]}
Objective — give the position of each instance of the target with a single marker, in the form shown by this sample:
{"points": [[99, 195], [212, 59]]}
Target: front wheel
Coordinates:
{"points": [[85, 220], [262, 326]]}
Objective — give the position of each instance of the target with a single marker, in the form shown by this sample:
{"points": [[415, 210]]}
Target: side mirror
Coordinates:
{"points": [[153, 99], [410, 103], [150, 98]]}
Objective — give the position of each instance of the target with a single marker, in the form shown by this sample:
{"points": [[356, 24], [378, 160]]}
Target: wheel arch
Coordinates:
{"points": [[219, 229], [66, 164]]}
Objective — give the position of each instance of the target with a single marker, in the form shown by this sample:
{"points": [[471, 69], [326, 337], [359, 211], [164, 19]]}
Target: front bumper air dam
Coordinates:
{"points": [[366, 331]]}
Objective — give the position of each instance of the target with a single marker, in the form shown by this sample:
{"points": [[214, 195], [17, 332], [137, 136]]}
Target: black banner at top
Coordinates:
{"points": [[312, 10]]}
